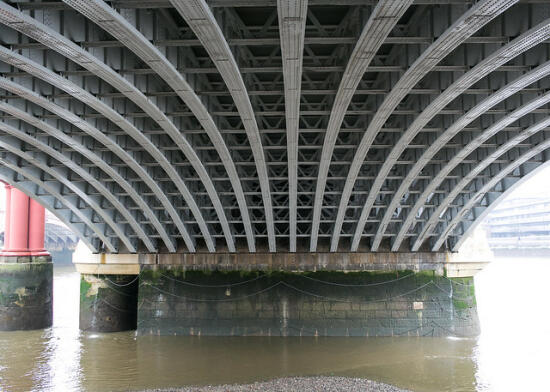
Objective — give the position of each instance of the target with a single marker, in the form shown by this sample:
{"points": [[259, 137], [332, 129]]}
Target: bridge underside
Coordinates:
{"points": [[272, 125]]}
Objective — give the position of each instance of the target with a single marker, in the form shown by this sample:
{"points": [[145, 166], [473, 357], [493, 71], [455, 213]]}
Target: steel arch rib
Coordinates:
{"points": [[502, 94], [501, 56], [112, 22], [471, 21], [200, 19], [41, 163], [442, 207], [33, 174], [71, 88], [497, 201], [292, 30], [486, 188], [478, 141], [75, 167], [7, 175], [55, 41], [381, 22], [77, 145]]}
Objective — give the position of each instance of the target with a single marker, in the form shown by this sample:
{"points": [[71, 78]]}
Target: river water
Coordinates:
{"points": [[511, 354]]}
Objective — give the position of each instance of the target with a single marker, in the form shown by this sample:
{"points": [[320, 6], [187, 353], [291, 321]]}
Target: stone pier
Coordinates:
{"points": [[323, 294], [26, 269], [108, 303]]}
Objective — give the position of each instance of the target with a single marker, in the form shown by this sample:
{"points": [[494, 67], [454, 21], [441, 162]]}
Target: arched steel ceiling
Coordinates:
{"points": [[272, 125]]}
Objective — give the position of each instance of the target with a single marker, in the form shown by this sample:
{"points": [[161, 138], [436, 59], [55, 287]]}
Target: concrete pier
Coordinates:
{"points": [[108, 303]]}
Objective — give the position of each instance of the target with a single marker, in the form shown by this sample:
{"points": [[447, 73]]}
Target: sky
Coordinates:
{"points": [[536, 186]]}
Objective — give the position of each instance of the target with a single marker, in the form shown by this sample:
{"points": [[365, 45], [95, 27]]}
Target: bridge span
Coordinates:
{"points": [[272, 134]]}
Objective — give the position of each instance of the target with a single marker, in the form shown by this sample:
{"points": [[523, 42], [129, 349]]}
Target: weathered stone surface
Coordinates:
{"points": [[323, 303], [328, 261], [108, 303], [26, 295]]}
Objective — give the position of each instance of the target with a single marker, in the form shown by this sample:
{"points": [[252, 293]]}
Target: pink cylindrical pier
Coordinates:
{"points": [[19, 224], [25, 225], [37, 219], [7, 217]]}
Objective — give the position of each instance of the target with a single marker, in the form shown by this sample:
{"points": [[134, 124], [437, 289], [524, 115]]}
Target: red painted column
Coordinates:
{"points": [[37, 227], [25, 226], [7, 216], [19, 224]]}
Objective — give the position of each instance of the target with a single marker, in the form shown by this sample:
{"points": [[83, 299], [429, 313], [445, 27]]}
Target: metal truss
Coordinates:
{"points": [[47, 200], [272, 125], [471, 176], [292, 30], [381, 22], [491, 198], [504, 93], [489, 64], [52, 194], [466, 25]]}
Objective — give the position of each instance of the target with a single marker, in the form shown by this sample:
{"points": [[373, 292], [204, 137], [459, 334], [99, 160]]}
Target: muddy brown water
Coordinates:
{"points": [[511, 354]]}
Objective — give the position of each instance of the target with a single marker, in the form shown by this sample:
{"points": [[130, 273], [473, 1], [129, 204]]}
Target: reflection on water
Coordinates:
{"points": [[511, 354]]}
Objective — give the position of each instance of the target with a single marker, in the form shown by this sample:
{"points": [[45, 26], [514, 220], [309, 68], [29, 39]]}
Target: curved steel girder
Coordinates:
{"points": [[474, 144], [90, 179], [442, 207], [476, 17], [55, 41], [77, 144], [39, 160], [292, 30], [381, 22], [476, 198], [477, 169], [502, 94], [200, 19], [29, 188], [501, 56], [529, 168], [54, 188], [84, 96], [112, 22]]}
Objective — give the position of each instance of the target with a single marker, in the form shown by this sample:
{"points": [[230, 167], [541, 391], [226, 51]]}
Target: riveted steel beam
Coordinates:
{"points": [[50, 203], [34, 174], [475, 199], [71, 88], [457, 189], [520, 45], [446, 136], [15, 147], [475, 18], [381, 22], [50, 38], [474, 144], [112, 22], [199, 17], [75, 143], [125, 80], [292, 28], [78, 188]]}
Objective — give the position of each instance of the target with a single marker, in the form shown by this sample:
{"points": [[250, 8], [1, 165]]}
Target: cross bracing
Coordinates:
{"points": [[272, 125]]}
